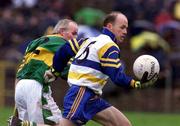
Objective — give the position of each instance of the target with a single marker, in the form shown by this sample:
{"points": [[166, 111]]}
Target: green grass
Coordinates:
{"points": [[136, 118], [4, 114], [153, 119]]}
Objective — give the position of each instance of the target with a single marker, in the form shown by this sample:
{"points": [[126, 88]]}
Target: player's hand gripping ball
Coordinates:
{"points": [[148, 64]]}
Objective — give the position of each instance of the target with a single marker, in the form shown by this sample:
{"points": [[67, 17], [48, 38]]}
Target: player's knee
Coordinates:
{"points": [[121, 120], [122, 123], [118, 123], [127, 123]]}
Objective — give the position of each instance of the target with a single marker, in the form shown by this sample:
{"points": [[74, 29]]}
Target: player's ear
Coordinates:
{"points": [[62, 31], [109, 26]]}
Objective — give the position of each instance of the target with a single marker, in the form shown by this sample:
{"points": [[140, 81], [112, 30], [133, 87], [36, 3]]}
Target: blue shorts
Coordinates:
{"points": [[81, 104]]}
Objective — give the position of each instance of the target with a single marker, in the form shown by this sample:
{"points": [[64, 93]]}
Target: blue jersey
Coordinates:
{"points": [[97, 60]]}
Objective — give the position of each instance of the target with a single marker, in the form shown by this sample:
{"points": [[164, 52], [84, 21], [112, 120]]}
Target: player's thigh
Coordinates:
{"points": [[28, 96], [20, 100], [53, 113], [111, 117], [34, 103]]}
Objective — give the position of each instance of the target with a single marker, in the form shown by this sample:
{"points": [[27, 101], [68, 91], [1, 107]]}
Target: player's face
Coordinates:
{"points": [[71, 31], [119, 27]]}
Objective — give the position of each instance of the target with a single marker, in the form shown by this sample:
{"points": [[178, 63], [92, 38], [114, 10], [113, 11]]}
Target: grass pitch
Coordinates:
{"points": [[136, 118]]}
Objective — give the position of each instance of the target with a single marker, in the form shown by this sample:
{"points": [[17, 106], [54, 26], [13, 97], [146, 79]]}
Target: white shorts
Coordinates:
{"points": [[35, 105]]}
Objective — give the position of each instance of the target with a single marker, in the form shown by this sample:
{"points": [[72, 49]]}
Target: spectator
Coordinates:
{"points": [[24, 3]]}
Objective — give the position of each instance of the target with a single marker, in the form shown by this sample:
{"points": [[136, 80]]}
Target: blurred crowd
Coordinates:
{"points": [[154, 27]]}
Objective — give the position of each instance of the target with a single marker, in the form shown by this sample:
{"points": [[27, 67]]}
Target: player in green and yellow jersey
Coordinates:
{"points": [[33, 98]]}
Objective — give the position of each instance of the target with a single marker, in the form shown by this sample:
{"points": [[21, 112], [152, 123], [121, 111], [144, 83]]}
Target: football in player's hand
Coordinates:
{"points": [[146, 63]]}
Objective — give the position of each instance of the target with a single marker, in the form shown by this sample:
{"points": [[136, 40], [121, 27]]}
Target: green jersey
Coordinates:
{"points": [[39, 56]]}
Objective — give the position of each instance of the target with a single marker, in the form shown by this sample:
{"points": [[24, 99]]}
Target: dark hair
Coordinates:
{"points": [[110, 18]]}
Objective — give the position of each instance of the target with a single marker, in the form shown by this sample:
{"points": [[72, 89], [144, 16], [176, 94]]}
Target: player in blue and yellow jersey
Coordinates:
{"points": [[32, 93], [97, 60]]}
